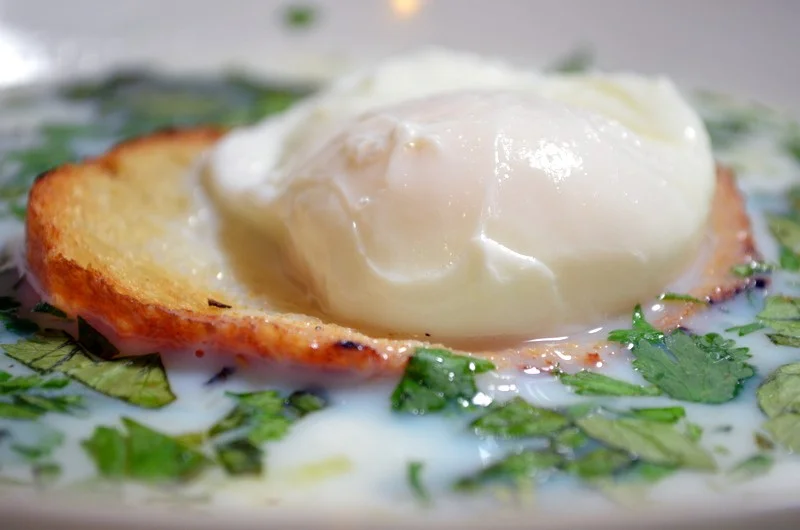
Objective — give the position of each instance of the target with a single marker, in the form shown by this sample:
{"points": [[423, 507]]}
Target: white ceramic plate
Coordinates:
{"points": [[744, 47]]}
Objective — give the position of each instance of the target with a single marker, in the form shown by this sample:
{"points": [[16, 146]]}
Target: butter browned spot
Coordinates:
{"points": [[216, 303]]}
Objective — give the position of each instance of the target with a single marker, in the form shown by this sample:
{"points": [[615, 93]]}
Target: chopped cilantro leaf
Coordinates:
{"points": [[44, 307], [793, 194], [782, 314], [107, 448], [728, 129], [143, 454], [703, 368], [43, 448], [788, 259], [153, 456], [31, 406], [299, 16], [753, 268], [784, 340], [18, 411], [568, 439], [787, 232], [664, 415], [260, 414], [601, 462], [15, 385], [785, 430], [436, 379], [257, 418], [677, 297], [304, 402], [746, 329], [752, 467], [519, 419], [651, 441], [414, 477], [9, 309], [62, 404], [780, 391], [514, 470], [694, 432], [45, 473], [581, 410], [648, 472], [577, 61], [240, 457], [139, 380], [640, 330], [586, 383]]}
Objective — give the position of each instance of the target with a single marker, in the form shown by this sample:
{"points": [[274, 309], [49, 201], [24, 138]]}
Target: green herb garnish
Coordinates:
{"points": [[785, 430], [43, 470], [569, 439], [17, 411], [641, 330], [142, 454], [586, 383], [24, 405], [519, 419], [259, 414], [257, 418], [746, 270], [601, 462], [139, 380], [304, 402], [780, 392], [577, 61], [752, 467], [44, 307], [677, 297], [694, 432], [788, 259], [107, 447], [515, 470], [44, 404], [701, 368], [43, 448], [779, 398], [299, 17], [663, 414], [705, 368], [414, 477], [651, 441], [240, 457], [786, 231], [13, 385], [782, 314], [436, 379], [746, 329], [9, 316], [728, 130]]}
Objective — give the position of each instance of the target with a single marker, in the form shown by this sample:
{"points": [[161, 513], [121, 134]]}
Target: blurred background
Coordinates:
{"points": [[746, 46]]}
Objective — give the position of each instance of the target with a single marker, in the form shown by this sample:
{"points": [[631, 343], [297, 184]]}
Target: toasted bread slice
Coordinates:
{"points": [[110, 239]]}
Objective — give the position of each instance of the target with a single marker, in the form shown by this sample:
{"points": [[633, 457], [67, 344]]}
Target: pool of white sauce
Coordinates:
{"points": [[363, 448]]}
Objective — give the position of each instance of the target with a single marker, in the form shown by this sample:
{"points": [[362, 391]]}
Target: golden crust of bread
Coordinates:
{"points": [[88, 225]]}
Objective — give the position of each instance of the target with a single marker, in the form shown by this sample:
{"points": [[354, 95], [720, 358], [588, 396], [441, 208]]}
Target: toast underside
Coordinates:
{"points": [[122, 241]]}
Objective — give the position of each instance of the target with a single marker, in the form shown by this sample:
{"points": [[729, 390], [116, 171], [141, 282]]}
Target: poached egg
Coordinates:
{"points": [[446, 194]]}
